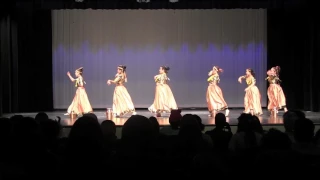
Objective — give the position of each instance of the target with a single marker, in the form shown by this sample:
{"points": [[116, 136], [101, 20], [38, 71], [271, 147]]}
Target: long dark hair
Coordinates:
{"points": [[277, 69], [165, 68], [124, 68], [218, 69], [80, 70], [252, 72]]}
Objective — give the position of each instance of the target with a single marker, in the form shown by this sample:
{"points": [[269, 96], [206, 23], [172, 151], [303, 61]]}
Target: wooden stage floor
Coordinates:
{"points": [[265, 119]]}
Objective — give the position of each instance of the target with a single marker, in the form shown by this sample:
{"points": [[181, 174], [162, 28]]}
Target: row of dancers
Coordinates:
{"points": [[164, 100]]}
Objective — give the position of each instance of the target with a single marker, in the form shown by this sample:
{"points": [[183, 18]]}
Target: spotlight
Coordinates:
{"points": [[173, 1]]}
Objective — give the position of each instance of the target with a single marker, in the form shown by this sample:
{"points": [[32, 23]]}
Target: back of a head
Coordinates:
{"points": [[137, 128], [155, 124], [246, 126], [15, 118], [50, 128], [299, 113], [91, 115], [86, 128], [174, 123], [244, 122], [26, 132], [108, 127], [303, 130], [41, 116], [220, 120], [188, 120], [189, 126], [85, 141], [256, 125], [27, 126], [85, 144], [289, 119], [199, 120], [276, 140], [175, 118]]}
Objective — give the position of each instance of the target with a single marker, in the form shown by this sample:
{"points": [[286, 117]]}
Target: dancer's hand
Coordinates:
{"points": [[108, 82], [239, 80], [68, 73], [246, 89], [269, 73]]}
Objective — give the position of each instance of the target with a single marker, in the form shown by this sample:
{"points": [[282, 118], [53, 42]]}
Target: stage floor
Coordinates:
{"points": [[265, 119]]}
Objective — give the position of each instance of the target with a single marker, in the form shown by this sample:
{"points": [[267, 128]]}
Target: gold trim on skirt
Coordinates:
{"points": [[215, 100], [276, 97], [252, 101], [122, 102], [80, 103], [164, 100]]}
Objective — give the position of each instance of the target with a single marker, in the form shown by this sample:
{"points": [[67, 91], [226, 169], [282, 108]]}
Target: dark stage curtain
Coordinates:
{"points": [[25, 61], [161, 4], [293, 44], [8, 63]]}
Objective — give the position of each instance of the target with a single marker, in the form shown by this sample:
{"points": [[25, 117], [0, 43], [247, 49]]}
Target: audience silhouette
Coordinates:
{"points": [[33, 148]]}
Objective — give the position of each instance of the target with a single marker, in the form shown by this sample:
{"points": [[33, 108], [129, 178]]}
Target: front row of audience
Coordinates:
{"points": [[32, 148]]}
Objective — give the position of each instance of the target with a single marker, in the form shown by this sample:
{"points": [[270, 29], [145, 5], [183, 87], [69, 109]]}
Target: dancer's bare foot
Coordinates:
{"points": [[227, 112], [251, 111], [213, 113]]}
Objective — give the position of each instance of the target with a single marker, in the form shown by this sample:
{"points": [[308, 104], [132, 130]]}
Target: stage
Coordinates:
{"points": [[265, 119]]}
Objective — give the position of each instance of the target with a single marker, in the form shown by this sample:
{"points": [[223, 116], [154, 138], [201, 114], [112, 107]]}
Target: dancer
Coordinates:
{"points": [[275, 93], [252, 97], [122, 103], [214, 94], [80, 104], [164, 100]]}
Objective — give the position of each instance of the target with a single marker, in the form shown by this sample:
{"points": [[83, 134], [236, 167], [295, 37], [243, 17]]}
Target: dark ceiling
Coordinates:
{"points": [[153, 4]]}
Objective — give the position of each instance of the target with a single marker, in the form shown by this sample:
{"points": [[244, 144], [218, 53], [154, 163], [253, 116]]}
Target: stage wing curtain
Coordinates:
{"points": [[26, 61], [293, 44], [7, 32], [190, 42]]}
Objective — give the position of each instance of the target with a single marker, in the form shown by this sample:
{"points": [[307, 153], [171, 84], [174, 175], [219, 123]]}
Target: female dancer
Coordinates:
{"points": [[80, 104], [276, 96], [214, 95], [122, 103], [163, 100], [252, 97]]}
